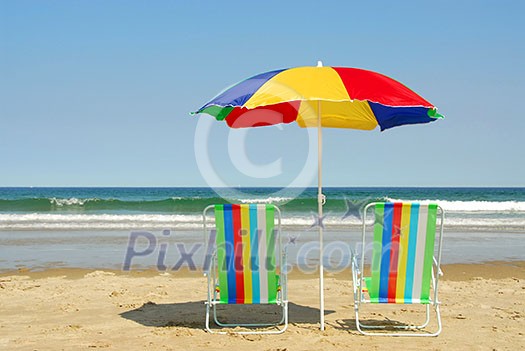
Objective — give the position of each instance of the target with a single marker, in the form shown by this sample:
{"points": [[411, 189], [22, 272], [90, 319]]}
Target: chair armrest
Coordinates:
{"points": [[439, 271], [355, 265], [284, 261], [207, 268], [356, 272]]}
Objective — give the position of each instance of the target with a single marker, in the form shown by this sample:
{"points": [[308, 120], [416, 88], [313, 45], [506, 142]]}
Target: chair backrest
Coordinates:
{"points": [[403, 251], [246, 240]]}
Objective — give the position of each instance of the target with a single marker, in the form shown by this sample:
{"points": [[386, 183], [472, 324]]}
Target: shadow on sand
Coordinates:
{"points": [[192, 314]]}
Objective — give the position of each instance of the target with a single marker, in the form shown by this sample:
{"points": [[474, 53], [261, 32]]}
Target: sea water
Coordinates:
{"points": [[91, 227], [468, 209]]}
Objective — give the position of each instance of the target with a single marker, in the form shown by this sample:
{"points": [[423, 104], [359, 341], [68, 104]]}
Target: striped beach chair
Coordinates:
{"points": [[245, 263], [403, 267]]}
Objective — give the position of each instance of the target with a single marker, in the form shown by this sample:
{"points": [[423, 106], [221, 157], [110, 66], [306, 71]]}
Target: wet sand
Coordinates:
{"points": [[45, 250]]}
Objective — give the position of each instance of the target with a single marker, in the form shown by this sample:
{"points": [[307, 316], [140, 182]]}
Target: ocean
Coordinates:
{"points": [[43, 228], [467, 209]]}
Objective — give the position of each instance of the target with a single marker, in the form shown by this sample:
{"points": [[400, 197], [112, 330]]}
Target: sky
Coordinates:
{"points": [[98, 93]]}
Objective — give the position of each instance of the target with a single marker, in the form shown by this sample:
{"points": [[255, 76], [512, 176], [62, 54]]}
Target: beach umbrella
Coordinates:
{"points": [[333, 97]]}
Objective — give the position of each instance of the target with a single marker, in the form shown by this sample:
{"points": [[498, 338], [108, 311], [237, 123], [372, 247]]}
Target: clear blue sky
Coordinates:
{"points": [[97, 93]]}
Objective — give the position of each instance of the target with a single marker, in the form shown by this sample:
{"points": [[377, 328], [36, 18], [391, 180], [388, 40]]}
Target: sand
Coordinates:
{"points": [[483, 308]]}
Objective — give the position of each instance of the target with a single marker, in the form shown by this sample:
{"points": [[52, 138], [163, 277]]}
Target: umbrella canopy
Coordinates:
{"points": [[348, 98], [334, 97]]}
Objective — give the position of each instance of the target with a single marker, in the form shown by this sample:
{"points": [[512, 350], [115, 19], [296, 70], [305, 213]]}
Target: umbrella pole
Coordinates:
{"points": [[320, 202]]}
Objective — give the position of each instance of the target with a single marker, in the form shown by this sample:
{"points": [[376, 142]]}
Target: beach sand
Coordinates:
{"points": [[483, 307]]}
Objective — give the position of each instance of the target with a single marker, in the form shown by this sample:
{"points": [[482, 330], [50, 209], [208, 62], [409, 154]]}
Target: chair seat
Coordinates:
{"points": [[248, 301], [376, 299]]}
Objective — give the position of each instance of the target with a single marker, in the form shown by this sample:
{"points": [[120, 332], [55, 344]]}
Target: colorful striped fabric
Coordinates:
{"points": [[348, 97], [246, 254], [403, 251]]}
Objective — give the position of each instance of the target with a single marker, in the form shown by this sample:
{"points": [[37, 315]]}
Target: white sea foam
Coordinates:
{"points": [[474, 206], [68, 202], [267, 200], [39, 221], [97, 221]]}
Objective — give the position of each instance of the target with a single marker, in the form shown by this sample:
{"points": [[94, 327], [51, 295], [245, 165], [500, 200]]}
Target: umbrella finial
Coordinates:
{"points": [[319, 63]]}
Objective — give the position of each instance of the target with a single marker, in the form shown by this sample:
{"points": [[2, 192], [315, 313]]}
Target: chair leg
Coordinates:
{"points": [[285, 312], [361, 327], [208, 317], [438, 314], [427, 320], [283, 321]]}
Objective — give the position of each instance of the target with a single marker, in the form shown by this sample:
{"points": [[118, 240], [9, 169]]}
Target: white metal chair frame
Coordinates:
{"points": [[359, 296], [212, 301]]}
